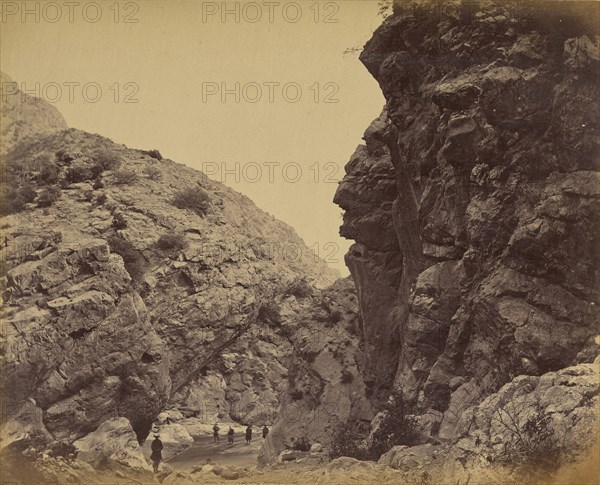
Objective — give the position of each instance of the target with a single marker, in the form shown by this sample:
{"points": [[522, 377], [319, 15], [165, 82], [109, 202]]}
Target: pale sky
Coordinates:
{"points": [[177, 54]]}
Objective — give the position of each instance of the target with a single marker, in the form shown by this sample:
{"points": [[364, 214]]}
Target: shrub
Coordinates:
{"points": [[296, 394], [82, 170], [48, 196], [301, 444], [15, 198], [152, 172], [347, 442], [174, 241], [269, 313], [155, 154], [107, 159], [535, 449], [300, 288], [124, 176], [398, 427], [49, 174], [119, 221], [347, 377], [195, 199], [65, 155], [101, 199], [134, 261]]}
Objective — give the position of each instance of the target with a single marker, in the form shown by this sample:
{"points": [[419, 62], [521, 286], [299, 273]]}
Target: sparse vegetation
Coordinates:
{"points": [[155, 154], [535, 450], [172, 242], [49, 174], [107, 159], [119, 221], [195, 199], [296, 394], [14, 199], [152, 172], [347, 377], [300, 288], [124, 176], [397, 427], [101, 199], [82, 171], [48, 196], [301, 444]]}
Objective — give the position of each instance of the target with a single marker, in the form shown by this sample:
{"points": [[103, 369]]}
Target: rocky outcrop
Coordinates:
{"points": [[23, 116], [474, 202], [103, 319]]}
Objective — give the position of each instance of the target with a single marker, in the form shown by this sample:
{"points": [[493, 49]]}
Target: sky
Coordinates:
{"points": [[258, 95]]}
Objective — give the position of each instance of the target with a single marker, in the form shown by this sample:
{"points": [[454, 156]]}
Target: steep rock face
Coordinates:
{"points": [[474, 203], [23, 116], [100, 320], [325, 387]]}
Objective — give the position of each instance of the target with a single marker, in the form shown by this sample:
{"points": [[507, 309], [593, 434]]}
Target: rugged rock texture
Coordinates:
{"points": [[23, 116], [102, 321], [325, 388], [474, 202]]}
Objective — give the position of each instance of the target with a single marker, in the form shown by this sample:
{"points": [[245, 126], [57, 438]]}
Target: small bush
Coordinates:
{"points": [[119, 221], [134, 261], [101, 199], [64, 155], [152, 172], [301, 444], [14, 199], [124, 176], [348, 442], [347, 377], [48, 196], [107, 159], [155, 154], [82, 171], [49, 174], [300, 288], [174, 241], [195, 199], [296, 394]]}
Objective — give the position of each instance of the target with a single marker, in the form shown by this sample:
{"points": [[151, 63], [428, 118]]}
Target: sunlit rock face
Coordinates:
{"points": [[473, 203], [103, 319], [22, 115]]}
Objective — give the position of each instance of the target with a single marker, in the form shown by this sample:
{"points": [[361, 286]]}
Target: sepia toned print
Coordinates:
{"points": [[300, 242]]}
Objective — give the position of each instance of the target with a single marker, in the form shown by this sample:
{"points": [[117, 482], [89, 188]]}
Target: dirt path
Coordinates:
{"points": [[238, 454]]}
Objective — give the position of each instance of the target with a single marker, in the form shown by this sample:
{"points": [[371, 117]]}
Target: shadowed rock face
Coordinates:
{"points": [[474, 202]]}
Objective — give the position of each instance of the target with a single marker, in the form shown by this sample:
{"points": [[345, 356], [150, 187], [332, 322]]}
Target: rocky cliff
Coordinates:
{"points": [[129, 282], [474, 202], [22, 115]]}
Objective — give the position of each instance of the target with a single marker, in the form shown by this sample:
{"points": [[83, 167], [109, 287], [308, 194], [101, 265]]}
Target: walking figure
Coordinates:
{"points": [[216, 433], [156, 455], [248, 434], [265, 431], [230, 436]]}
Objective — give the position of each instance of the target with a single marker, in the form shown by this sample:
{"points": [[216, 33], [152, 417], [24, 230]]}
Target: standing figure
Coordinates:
{"points": [[248, 434], [216, 433], [156, 455], [230, 436], [265, 431]]}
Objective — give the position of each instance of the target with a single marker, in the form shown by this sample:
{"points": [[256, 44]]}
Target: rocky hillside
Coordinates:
{"points": [[127, 280], [473, 205], [23, 116]]}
